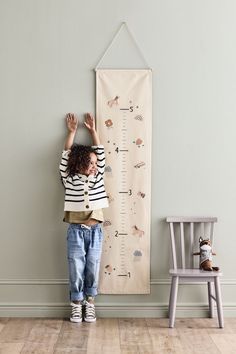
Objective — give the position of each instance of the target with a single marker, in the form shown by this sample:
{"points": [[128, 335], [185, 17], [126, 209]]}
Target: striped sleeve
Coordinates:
{"points": [[100, 152], [63, 165]]}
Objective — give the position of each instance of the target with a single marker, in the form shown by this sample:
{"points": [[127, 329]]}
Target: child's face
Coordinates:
{"points": [[92, 169]]}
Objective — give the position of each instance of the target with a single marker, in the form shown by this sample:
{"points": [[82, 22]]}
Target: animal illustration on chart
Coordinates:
{"points": [[136, 231], [109, 269], [141, 194], [139, 164], [113, 102], [138, 142]]}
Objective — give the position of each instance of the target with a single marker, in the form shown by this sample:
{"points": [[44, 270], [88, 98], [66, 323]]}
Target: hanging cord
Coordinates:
{"points": [[124, 24]]}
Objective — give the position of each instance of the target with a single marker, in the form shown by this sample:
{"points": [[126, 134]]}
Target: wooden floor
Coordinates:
{"points": [[112, 336]]}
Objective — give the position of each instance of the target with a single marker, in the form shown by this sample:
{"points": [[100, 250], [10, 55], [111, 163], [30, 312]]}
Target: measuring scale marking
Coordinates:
{"points": [[126, 226], [123, 234]]}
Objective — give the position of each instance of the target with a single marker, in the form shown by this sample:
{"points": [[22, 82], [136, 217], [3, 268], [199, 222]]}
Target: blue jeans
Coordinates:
{"points": [[84, 246]]}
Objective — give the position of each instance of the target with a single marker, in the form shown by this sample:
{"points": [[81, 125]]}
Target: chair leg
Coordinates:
{"points": [[219, 302], [173, 300], [210, 300], [170, 298]]}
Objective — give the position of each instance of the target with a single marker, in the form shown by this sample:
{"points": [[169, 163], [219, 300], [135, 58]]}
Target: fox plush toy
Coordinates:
{"points": [[205, 255]]}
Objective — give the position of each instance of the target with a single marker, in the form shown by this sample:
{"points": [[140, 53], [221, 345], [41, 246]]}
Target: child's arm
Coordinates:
{"points": [[72, 124], [98, 148], [90, 124]]}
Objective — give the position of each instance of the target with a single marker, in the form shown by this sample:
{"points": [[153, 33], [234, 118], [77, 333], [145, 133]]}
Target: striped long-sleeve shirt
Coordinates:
{"points": [[84, 192]]}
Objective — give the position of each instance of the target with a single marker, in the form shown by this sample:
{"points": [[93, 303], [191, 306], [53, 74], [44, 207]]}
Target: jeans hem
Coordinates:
{"points": [[76, 297], [90, 292]]}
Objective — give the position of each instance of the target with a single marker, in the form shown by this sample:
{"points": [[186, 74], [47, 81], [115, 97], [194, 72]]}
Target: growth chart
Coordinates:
{"points": [[124, 112]]}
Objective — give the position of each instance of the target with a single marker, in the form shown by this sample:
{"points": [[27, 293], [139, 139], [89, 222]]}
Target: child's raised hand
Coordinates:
{"points": [[71, 122], [89, 122]]}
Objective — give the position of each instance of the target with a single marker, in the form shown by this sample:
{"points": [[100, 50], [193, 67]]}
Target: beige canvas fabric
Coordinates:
{"points": [[124, 116]]}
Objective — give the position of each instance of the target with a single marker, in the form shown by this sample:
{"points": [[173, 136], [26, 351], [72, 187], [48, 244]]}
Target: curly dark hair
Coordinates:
{"points": [[79, 159]]}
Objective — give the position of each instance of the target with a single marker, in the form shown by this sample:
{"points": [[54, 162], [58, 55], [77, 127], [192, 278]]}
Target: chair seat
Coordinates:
{"points": [[198, 273]]}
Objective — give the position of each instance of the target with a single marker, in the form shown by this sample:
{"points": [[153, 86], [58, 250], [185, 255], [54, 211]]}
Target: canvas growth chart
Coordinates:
{"points": [[124, 116], [124, 125]]}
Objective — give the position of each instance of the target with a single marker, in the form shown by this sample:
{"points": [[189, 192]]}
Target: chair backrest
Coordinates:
{"points": [[184, 234]]}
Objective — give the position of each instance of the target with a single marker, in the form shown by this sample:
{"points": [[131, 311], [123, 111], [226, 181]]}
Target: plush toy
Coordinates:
{"points": [[205, 255]]}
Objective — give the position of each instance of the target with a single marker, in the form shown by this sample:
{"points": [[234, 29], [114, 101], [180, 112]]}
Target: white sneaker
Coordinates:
{"points": [[76, 313], [90, 315]]}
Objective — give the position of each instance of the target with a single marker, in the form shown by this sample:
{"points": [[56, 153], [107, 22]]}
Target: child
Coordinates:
{"points": [[82, 169]]}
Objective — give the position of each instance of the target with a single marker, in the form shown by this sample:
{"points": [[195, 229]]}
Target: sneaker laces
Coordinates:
{"points": [[89, 310], [76, 310]]}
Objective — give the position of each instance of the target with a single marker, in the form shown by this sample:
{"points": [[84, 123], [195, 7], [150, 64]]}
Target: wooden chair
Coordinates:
{"points": [[185, 233]]}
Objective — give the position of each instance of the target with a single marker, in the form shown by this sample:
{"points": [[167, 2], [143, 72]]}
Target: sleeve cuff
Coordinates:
{"points": [[65, 153], [97, 146]]}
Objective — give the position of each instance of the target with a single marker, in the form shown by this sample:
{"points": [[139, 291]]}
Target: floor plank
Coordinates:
{"points": [[3, 322], [104, 337], [116, 336], [73, 338], [134, 336], [165, 339], [226, 343], [11, 348], [16, 330], [43, 336]]}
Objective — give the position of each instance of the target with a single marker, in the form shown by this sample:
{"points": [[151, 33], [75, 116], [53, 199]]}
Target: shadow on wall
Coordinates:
{"points": [[160, 249]]}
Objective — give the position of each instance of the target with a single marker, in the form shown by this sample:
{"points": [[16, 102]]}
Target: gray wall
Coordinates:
{"points": [[48, 51]]}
